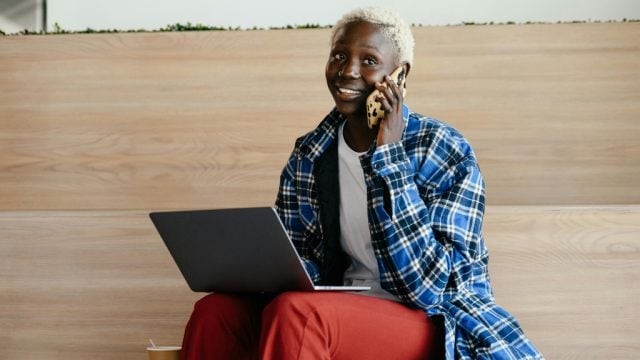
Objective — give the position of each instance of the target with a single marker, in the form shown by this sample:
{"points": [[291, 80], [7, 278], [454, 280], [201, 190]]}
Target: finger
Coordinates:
{"points": [[384, 103], [383, 91], [388, 94], [396, 89]]}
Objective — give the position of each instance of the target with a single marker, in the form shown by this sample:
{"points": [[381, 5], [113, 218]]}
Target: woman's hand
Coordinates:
{"points": [[392, 124]]}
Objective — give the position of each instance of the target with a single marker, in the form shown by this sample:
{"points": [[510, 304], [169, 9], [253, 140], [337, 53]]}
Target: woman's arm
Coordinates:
{"points": [[429, 243]]}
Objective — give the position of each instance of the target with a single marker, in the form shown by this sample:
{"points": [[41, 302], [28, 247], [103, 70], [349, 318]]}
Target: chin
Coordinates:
{"points": [[351, 109], [350, 112]]}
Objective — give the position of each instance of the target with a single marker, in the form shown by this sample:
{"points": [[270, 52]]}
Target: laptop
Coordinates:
{"points": [[238, 250]]}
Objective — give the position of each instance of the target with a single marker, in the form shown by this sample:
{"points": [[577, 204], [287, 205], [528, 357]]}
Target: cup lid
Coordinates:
{"points": [[163, 348]]}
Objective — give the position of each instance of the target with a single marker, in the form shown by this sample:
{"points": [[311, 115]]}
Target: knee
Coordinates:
{"points": [[294, 327], [283, 303], [207, 303], [214, 307], [291, 306]]}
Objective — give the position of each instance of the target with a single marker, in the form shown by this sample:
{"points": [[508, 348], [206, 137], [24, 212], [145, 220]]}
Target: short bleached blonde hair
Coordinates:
{"points": [[390, 23]]}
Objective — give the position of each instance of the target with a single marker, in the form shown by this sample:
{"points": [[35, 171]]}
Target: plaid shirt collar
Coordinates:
{"points": [[319, 139]]}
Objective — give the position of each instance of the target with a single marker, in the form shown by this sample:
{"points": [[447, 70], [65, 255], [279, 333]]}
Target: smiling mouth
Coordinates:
{"points": [[346, 91]]}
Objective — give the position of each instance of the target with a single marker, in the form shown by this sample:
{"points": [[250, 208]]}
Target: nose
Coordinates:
{"points": [[350, 69]]}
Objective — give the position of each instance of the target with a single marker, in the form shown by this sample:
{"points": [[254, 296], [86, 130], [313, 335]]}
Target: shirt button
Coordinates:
{"points": [[377, 166]]}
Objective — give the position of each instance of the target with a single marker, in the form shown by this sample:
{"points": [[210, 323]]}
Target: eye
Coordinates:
{"points": [[338, 56], [370, 61]]}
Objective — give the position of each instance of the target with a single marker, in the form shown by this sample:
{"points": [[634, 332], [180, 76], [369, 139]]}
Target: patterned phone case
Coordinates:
{"points": [[374, 108]]}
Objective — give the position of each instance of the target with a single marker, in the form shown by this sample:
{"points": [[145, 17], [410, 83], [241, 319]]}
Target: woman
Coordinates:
{"points": [[397, 206]]}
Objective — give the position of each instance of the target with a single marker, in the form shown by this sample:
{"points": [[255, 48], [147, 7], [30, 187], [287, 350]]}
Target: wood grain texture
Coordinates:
{"points": [[570, 275], [201, 119], [98, 284], [94, 128], [87, 285]]}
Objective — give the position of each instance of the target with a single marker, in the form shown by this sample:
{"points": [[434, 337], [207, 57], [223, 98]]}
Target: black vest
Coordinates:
{"points": [[334, 261]]}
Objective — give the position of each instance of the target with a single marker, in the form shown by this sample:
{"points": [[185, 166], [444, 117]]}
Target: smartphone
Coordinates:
{"points": [[374, 108]]}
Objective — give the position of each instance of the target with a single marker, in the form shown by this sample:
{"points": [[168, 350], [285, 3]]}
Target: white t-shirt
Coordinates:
{"points": [[354, 224]]}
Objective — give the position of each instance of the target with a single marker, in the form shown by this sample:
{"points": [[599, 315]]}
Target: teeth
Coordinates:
{"points": [[348, 91]]}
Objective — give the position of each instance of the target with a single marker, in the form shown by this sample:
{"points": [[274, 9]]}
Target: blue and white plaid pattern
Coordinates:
{"points": [[425, 208]]}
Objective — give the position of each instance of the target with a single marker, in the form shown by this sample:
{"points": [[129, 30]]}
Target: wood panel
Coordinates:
{"points": [[201, 119], [570, 275], [98, 284], [87, 285], [551, 109], [96, 130]]}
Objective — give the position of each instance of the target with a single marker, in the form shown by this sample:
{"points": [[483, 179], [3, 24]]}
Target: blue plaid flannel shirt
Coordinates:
{"points": [[427, 238]]}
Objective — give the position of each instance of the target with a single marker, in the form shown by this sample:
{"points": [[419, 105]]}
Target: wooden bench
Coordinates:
{"points": [[98, 284], [569, 274], [98, 130]]}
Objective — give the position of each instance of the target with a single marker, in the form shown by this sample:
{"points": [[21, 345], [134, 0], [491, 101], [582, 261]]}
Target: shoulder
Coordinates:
{"points": [[431, 136], [441, 155], [310, 146], [316, 141]]}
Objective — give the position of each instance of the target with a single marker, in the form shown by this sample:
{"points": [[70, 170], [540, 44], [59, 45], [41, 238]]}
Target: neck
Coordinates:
{"points": [[358, 135]]}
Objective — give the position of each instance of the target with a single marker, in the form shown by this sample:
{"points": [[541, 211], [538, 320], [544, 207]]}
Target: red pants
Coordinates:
{"points": [[307, 325]]}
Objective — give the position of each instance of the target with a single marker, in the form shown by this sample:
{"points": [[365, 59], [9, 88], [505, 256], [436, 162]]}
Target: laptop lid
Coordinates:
{"points": [[232, 250]]}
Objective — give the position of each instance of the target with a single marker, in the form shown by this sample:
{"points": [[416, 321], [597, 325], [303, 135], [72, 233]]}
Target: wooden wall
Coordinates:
{"points": [[98, 130], [172, 120]]}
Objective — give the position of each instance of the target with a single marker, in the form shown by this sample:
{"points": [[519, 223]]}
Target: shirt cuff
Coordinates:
{"points": [[390, 158]]}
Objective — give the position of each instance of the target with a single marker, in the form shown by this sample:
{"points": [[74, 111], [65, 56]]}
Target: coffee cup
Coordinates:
{"points": [[164, 352]]}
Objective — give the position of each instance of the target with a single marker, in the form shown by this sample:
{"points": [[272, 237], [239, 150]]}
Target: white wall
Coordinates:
{"points": [[18, 15], [154, 14]]}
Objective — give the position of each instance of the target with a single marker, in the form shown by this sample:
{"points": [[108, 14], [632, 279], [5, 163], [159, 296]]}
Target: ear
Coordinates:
{"points": [[407, 68]]}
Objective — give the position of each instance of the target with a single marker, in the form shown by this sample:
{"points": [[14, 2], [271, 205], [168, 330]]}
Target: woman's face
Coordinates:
{"points": [[361, 55]]}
